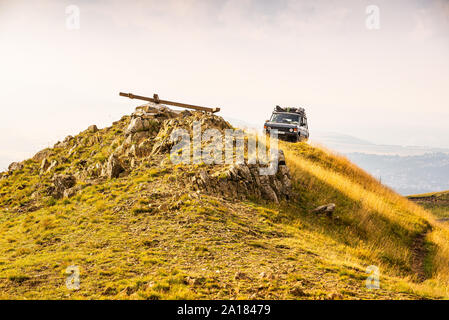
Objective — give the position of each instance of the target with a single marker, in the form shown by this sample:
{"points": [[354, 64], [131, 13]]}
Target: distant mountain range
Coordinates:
{"points": [[345, 144], [406, 169], [407, 174]]}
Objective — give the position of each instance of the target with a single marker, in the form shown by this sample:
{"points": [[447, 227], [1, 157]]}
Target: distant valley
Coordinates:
{"points": [[406, 169]]}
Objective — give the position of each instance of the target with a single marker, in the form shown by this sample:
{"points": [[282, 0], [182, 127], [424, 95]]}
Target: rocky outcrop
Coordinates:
{"points": [[141, 150], [64, 143], [41, 155], [15, 166], [149, 129], [60, 184], [242, 181], [145, 136], [47, 166], [143, 129], [148, 134]]}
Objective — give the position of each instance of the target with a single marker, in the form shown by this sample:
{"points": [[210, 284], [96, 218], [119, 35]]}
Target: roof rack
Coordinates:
{"points": [[288, 109]]}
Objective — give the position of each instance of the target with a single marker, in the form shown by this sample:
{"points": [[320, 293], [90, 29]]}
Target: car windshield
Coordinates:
{"points": [[285, 118]]}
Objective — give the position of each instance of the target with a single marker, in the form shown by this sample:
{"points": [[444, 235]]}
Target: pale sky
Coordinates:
{"points": [[389, 85]]}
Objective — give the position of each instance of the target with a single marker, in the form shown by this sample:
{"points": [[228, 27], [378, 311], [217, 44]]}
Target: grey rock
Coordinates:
{"points": [[327, 208], [15, 166], [143, 149], [281, 158], [241, 181], [41, 155], [70, 192], [136, 125], [44, 165], [60, 144], [114, 167], [61, 183], [92, 129]]}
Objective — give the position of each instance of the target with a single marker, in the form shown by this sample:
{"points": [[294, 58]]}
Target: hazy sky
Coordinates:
{"points": [[388, 85]]}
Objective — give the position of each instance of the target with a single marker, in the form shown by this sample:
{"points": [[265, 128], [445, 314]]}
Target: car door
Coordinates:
{"points": [[304, 128]]}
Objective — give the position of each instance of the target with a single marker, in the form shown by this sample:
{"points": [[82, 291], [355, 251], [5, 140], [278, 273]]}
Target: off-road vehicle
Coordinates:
{"points": [[291, 124]]}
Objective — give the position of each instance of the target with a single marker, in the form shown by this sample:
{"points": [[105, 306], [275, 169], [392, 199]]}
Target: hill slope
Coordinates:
{"points": [[139, 227], [436, 202]]}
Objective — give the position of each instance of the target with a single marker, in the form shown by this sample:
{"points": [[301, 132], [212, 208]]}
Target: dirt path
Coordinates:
{"points": [[419, 253]]}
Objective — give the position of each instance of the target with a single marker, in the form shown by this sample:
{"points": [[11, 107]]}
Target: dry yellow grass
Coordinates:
{"points": [[148, 236], [390, 222]]}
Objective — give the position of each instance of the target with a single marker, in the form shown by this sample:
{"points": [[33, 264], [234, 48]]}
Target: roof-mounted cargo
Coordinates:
{"points": [[288, 109]]}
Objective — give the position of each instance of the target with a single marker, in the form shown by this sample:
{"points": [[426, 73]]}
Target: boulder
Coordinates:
{"points": [[61, 183], [44, 165], [92, 129], [114, 167], [15, 166], [136, 125], [148, 108], [136, 137], [152, 110], [327, 208], [266, 187], [70, 192], [41, 155], [143, 149]]}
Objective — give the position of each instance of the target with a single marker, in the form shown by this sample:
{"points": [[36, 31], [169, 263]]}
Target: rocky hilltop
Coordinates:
{"points": [[142, 140], [110, 204]]}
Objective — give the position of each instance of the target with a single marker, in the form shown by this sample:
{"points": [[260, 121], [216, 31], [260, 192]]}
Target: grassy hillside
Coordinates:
{"points": [[148, 234], [436, 202], [376, 224]]}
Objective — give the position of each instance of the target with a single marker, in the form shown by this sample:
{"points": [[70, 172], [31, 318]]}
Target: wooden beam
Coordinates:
{"points": [[156, 99]]}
